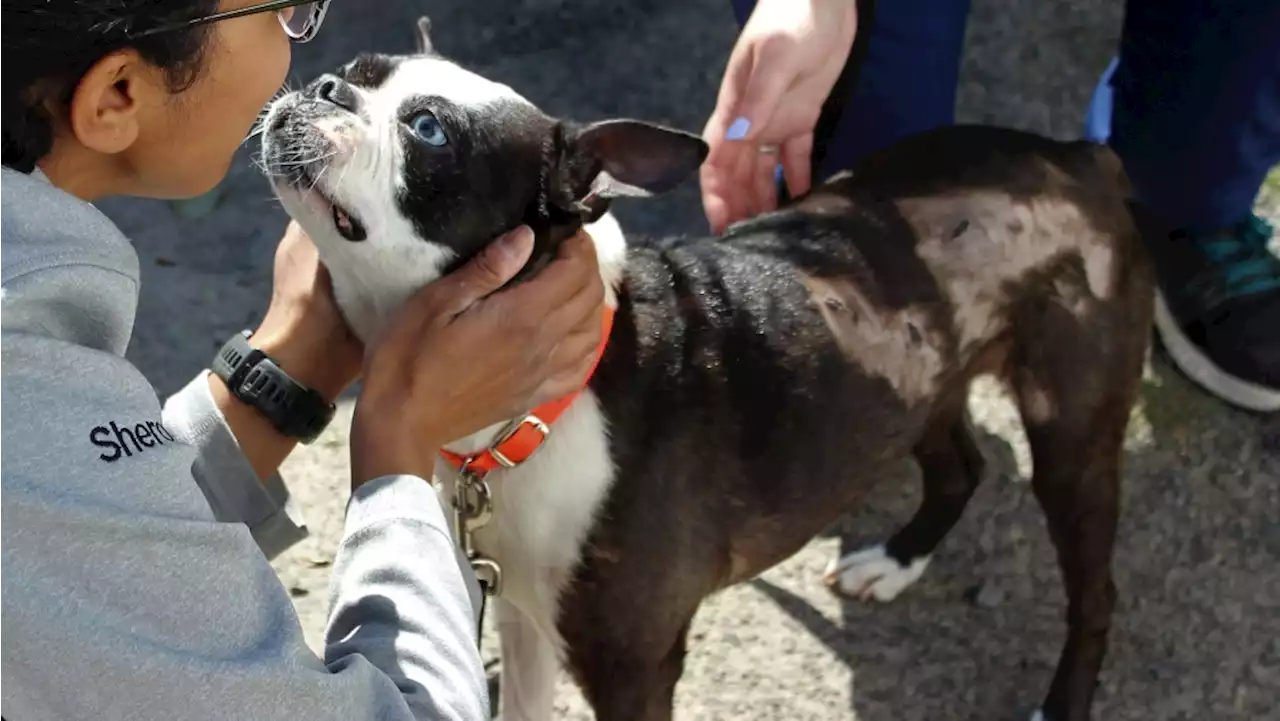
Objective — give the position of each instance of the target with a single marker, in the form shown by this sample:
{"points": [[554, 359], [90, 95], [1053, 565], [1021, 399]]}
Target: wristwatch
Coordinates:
{"points": [[258, 381]]}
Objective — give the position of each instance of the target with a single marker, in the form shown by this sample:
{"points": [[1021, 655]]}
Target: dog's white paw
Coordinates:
{"points": [[871, 573], [1038, 715]]}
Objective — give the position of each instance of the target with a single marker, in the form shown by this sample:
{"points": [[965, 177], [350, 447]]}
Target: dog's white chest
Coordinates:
{"points": [[543, 510]]}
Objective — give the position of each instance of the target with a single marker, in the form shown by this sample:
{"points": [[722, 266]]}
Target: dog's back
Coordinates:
{"points": [[756, 384]]}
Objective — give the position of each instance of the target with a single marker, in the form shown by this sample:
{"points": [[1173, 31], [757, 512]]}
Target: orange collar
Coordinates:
{"points": [[524, 436]]}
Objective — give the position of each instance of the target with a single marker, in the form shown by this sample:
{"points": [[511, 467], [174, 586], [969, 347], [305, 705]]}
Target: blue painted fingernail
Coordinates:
{"points": [[738, 130]]}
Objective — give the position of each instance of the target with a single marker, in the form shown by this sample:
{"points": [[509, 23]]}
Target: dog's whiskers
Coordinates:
{"points": [[355, 152], [316, 180], [290, 162], [260, 123]]}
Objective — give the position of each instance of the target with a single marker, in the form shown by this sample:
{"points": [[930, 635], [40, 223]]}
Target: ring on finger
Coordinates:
{"points": [[767, 149]]}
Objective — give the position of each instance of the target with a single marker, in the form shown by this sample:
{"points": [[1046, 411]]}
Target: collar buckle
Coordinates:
{"points": [[508, 433]]}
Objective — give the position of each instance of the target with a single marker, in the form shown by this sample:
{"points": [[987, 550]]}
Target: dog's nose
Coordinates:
{"points": [[334, 89]]}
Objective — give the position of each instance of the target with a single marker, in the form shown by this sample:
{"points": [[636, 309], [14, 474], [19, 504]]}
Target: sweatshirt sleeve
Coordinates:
{"points": [[400, 599], [124, 597], [224, 475]]}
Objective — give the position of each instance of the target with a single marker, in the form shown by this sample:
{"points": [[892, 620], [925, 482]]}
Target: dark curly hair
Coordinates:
{"points": [[48, 45]]}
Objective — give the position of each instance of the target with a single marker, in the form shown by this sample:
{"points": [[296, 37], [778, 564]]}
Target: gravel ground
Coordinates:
{"points": [[1199, 614]]}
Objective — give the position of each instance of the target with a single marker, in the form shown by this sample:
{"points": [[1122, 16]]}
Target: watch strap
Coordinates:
{"points": [[256, 380]]}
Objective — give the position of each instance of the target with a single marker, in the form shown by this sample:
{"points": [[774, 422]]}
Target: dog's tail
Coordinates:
{"points": [[1112, 177], [1099, 167], [1110, 166], [1102, 172]]}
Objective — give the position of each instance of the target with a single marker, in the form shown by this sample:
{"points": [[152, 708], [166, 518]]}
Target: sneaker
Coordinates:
{"points": [[1218, 311], [1218, 307]]}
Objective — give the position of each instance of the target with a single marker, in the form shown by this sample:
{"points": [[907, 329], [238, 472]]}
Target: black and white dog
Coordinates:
{"points": [[755, 384]]}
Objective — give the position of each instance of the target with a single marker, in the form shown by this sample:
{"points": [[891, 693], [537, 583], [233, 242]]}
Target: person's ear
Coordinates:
{"points": [[105, 106]]}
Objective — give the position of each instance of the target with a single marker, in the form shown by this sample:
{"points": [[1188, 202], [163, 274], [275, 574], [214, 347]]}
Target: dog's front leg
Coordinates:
{"points": [[529, 666]]}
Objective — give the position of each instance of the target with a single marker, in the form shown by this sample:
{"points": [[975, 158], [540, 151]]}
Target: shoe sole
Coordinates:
{"points": [[1195, 365]]}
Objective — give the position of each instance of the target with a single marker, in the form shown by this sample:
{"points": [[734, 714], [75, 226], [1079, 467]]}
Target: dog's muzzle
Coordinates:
{"points": [[296, 152]]}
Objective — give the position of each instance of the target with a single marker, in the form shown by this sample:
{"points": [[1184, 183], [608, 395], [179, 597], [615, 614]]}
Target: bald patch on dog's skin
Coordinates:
{"points": [[979, 240], [900, 346]]}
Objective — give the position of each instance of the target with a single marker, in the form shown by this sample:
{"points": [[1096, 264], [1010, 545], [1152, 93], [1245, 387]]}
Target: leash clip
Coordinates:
{"points": [[489, 575], [472, 510]]}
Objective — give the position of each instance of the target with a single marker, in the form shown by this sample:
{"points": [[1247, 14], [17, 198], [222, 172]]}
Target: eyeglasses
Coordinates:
{"points": [[301, 24]]}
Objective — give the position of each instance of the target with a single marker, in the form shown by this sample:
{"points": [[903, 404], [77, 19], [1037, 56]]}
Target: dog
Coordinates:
{"points": [[754, 385]]}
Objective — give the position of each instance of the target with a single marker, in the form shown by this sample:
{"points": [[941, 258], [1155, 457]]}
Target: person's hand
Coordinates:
{"points": [[303, 329], [305, 333], [458, 356], [786, 60]]}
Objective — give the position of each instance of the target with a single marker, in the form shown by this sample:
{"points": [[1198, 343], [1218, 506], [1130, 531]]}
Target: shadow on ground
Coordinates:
{"points": [[978, 636]]}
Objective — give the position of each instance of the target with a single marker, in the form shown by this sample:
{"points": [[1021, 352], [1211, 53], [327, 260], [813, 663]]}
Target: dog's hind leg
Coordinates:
{"points": [[1077, 482], [1076, 379], [529, 667], [950, 467]]}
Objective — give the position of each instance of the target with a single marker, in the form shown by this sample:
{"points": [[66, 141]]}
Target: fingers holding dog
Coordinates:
{"points": [[463, 355], [571, 361], [569, 323], [555, 290], [487, 272]]}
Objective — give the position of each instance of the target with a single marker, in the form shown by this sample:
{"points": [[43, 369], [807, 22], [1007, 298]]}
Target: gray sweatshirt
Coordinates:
{"points": [[136, 537]]}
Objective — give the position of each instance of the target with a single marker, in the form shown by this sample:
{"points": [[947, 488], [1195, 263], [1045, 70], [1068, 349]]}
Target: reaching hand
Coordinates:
{"points": [[786, 61]]}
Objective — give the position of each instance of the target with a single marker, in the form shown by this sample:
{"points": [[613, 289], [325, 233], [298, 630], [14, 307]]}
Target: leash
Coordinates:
{"points": [[518, 441], [473, 509]]}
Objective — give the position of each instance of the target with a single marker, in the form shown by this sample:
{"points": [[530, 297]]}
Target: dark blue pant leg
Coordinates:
{"points": [[1196, 106], [907, 83]]}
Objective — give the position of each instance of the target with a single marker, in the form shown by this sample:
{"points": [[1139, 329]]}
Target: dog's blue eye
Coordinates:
{"points": [[429, 129]]}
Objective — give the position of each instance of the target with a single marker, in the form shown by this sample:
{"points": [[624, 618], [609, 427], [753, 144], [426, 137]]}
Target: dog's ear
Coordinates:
{"points": [[424, 36], [628, 158], [587, 166]]}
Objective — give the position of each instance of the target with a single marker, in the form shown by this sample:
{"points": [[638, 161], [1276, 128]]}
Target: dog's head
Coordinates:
{"points": [[414, 159]]}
